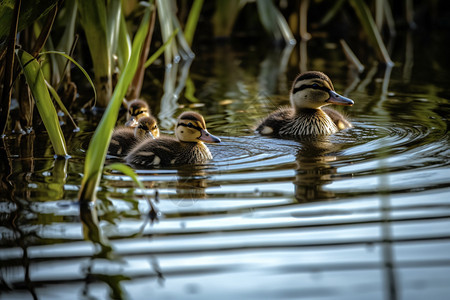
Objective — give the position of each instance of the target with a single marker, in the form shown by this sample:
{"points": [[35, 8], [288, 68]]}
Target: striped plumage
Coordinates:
{"points": [[124, 138], [167, 151], [306, 115], [187, 148]]}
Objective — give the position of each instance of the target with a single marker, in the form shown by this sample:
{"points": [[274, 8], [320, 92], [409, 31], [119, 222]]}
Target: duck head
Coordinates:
{"points": [[312, 90], [147, 127], [191, 127], [136, 110]]}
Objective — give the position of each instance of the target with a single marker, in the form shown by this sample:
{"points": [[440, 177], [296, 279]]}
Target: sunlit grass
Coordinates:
{"points": [[35, 79], [96, 154]]}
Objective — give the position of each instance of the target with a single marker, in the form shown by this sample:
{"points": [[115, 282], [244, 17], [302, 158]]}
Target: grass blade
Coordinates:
{"points": [[124, 45], [130, 172], [68, 37], [93, 18], [332, 12], [266, 10], [225, 16], [5, 101], [368, 23], [192, 21], [351, 56], [113, 16], [61, 104], [35, 79], [78, 65], [160, 50], [95, 156], [127, 171]]}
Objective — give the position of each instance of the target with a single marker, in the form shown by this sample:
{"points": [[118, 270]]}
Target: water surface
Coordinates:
{"points": [[362, 214]]}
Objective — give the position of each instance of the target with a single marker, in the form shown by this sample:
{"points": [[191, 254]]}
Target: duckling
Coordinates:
{"points": [[310, 92], [124, 138], [187, 148], [137, 109]]}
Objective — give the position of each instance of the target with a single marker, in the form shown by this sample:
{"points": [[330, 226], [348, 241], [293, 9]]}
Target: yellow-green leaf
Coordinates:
{"points": [[35, 79], [98, 147]]}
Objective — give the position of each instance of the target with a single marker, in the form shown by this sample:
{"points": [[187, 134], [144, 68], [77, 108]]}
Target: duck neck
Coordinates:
{"points": [[307, 111], [197, 151], [313, 121]]}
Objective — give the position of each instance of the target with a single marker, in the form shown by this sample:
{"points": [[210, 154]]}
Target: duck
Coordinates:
{"points": [[186, 148], [307, 116], [124, 137], [137, 109]]}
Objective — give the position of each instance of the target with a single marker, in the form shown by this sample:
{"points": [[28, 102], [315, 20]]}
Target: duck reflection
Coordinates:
{"points": [[313, 170], [190, 186]]}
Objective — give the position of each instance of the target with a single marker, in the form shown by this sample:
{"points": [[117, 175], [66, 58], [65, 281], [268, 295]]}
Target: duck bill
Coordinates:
{"points": [[132, 122], [150, 135], [208, 137], [337, 99]]}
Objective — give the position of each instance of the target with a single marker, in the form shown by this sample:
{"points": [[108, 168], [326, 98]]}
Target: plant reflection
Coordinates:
{"points": [[172, 90], [92, 232], [105, 257]]}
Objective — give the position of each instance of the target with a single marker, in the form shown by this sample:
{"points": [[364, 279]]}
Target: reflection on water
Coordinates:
{"points": [[314, 170], [363, 214]]}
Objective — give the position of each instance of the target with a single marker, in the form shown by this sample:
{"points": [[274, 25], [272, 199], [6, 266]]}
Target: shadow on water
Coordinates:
{"points": [[362, 214]]}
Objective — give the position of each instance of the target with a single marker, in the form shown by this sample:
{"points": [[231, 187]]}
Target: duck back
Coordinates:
{"points": [[167, 151], [122, 140]]}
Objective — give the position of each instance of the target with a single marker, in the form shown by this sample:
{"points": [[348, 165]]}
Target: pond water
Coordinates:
{"points": [[362, 214]]}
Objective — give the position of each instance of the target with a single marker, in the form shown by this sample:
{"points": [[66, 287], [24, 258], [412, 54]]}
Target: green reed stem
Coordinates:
{"points": [[192, 21], [35, 79], [368, 23], [96, 154]]}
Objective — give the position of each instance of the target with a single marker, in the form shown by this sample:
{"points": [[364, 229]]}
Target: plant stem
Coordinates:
{"points": [[192, 21], [45, 32], [7, 80], [138, 79]]}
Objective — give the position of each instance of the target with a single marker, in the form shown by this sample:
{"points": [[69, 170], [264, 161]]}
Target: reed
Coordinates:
{"points": [[35, 79], [93, 18], [96, 154], [191, 23], [371, 29]]}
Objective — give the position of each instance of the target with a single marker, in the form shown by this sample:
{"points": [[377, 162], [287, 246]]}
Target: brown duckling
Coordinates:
{"points": [[310, 92], [124, 138], [187, 148], [137, 109]]}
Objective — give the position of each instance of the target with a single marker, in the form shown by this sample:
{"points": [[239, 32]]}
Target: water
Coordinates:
{"points": [[363, 214]]}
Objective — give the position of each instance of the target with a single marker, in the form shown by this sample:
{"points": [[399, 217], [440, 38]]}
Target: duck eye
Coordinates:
{"points": [[190, 125], [314, 85]]}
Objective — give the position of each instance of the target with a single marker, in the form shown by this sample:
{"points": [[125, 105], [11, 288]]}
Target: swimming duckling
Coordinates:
{"points": [[310, 92], [187, 148], [124, 138], [137, 109]]}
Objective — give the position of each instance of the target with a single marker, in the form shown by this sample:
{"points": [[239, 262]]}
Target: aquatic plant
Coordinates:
{"points": [[100, 27], [95, 156], [36, 82]]}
